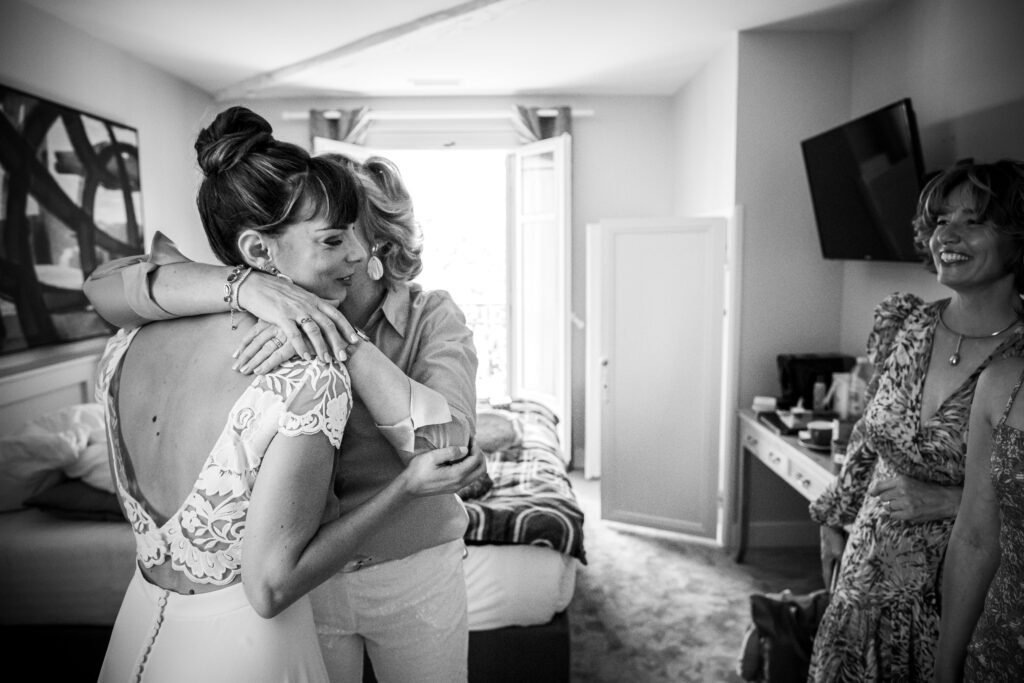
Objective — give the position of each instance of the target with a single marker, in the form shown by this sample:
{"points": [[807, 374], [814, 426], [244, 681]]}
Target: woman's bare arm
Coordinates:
{"points": [[287, 553], [164, 284]]}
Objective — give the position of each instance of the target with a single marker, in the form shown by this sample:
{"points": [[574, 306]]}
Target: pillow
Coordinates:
{"points": [[495, 431], [76, 423], [74, 499], [93, 465], [30, 463], [83, 427]]}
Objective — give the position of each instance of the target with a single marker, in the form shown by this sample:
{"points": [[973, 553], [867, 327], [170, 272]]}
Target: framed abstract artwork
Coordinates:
{"points": [[70, 200]]}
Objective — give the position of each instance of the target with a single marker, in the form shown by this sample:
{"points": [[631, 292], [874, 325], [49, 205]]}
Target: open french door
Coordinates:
{"points": [[540, 276]]}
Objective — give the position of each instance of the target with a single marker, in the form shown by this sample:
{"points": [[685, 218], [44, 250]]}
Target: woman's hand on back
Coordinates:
{"points": [[444, 470], [916, 501], [305, 324]]}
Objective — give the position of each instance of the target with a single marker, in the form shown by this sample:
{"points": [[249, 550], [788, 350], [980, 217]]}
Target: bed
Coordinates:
{"points": [[69, 553]]}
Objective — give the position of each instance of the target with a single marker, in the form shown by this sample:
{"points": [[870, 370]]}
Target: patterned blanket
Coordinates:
{"points": [[531, 500]]}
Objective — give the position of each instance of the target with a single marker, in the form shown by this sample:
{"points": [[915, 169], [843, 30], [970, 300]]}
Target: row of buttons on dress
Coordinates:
{"points": [[157, 623]]}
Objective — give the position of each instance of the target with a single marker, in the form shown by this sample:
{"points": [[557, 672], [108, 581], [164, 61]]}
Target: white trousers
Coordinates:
{"points": [[410, 614]]}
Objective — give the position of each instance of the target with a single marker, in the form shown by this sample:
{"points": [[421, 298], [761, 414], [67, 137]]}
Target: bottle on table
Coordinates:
{"points": [[818, 393], [860, 378]]}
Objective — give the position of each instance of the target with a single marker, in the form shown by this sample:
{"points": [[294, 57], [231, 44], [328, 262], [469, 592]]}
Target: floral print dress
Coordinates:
{"points": [[882, 621], [996, 651]]}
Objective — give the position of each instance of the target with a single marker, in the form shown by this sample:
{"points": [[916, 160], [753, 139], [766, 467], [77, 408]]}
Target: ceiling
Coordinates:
{"points": [[376, 48]]}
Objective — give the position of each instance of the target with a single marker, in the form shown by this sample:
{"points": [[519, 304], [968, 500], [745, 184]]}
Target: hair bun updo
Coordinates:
{"points": [[254, 181], [233, 134]]}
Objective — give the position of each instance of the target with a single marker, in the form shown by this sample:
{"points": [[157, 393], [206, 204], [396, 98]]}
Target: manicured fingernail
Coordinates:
{"points": [[327, 358], [234, 366], [306, 356], [235, 354]]}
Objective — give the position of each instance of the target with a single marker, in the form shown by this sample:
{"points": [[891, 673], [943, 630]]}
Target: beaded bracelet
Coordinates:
{"points": [[235, 278], [237, 304]]}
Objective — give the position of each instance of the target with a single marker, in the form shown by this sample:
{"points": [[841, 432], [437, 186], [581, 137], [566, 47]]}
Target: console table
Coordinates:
{"points": [[807, 471]]}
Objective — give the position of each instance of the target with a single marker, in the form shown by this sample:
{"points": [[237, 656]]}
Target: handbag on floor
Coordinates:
{"points": [[777, 645]]}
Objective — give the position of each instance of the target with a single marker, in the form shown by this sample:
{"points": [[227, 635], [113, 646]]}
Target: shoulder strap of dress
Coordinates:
{"points": [[1013, 395]]}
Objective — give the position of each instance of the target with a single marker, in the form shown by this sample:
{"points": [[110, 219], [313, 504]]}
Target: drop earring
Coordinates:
{"points": [[374, 268], [276, 272]]}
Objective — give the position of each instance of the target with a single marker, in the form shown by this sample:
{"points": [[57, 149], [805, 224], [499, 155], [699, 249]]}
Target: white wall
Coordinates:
{"points": [[791, 85], [48, 58], [960, 63], [622, 168], [704, 117]]}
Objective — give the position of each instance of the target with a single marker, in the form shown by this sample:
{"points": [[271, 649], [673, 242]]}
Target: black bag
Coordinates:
{"points": [[777, 645], [799, 371]]}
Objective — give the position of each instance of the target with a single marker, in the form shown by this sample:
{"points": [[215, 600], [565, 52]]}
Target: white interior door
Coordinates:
{"points": [[540, 278], [654, 380]]}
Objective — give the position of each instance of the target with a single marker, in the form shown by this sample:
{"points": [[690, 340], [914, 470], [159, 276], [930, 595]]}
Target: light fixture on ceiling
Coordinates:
{"points": [[436, 81]]}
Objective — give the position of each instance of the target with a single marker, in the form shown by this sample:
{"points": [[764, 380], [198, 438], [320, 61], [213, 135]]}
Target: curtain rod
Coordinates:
{"points": [[398, 115]]}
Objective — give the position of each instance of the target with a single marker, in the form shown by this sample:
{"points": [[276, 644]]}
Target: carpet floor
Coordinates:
{"points": [[655, 609]]}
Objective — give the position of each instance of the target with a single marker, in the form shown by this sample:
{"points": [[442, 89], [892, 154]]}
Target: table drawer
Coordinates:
{"points": [[810, 481], [766, 449]]}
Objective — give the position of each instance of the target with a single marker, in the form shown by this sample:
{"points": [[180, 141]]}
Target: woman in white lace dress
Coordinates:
{"points": [[226, 480]]}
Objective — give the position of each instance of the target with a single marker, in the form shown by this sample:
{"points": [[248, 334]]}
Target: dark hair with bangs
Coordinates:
{"points": [[998, 193], [253, 181]]}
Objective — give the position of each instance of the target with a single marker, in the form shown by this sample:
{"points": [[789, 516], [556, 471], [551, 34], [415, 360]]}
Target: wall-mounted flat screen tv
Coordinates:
{"points": [[865, 177]]}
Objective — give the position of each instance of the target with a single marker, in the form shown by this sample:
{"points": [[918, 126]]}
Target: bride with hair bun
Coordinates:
{"points": [[227, 479]]}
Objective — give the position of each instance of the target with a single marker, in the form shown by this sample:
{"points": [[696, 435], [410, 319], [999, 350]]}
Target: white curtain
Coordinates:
{"points": [[536, 123], [345, 125]]}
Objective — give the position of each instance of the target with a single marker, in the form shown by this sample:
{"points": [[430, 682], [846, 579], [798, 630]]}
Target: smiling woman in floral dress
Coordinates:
{"points": [[899, 491]]}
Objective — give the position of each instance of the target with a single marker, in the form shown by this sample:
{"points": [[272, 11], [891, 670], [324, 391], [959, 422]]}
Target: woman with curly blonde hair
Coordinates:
{"points": [[413, 366]]}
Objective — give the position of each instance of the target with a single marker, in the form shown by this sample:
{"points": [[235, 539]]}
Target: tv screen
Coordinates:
{"points": [[865, 177]]}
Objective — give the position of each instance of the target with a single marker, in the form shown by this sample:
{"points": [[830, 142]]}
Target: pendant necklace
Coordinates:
{"points": [[955, 358]]}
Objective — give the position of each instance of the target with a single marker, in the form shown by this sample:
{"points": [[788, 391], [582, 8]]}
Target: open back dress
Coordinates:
{"points": [[161, 635]]}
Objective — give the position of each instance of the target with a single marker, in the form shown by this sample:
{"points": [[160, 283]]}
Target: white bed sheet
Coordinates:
{"points": [[517, 585], [56, 571]]}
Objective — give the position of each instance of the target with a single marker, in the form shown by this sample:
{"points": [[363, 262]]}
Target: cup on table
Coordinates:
{"points": [[841, 430], [820, 432]]}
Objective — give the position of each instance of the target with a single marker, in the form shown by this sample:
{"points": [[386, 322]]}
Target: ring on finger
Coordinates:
{"points": [[304, 321], [277, 342]]}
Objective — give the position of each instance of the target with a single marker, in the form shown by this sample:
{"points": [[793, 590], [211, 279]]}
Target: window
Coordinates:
{"points": [[460, 202]]}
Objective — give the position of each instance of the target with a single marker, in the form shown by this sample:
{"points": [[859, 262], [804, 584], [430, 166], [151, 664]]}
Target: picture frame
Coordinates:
{"points": [[70, 200]]}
